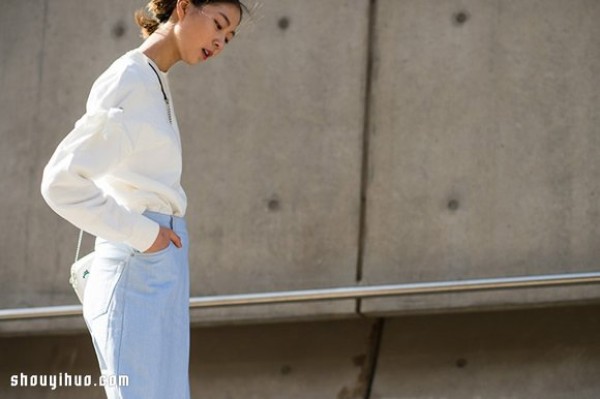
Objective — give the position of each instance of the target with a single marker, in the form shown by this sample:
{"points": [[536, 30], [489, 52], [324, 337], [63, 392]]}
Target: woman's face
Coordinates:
{"points": [[203, 32]]}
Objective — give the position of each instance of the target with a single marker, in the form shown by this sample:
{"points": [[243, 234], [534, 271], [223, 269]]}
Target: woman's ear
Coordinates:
{"points": [[182, 8]]}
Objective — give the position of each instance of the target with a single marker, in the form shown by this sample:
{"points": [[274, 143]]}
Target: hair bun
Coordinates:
{"points": [[160, 11]]}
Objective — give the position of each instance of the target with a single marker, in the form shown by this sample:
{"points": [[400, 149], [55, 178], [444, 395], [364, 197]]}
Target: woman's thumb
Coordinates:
{"points": [[175, 238]]}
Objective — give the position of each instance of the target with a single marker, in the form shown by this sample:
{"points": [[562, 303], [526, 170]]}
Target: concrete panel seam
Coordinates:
{"points": [[373, 354], [364, 179]]}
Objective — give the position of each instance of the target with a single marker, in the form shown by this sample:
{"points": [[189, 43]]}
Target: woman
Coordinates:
{"points": [[117, 176]]}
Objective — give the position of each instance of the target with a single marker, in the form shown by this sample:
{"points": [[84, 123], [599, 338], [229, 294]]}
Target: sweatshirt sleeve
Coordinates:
{"points": [[99, 141]]}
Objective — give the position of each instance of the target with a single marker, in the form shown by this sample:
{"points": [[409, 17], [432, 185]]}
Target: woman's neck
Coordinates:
{"points": [[160, 47]]}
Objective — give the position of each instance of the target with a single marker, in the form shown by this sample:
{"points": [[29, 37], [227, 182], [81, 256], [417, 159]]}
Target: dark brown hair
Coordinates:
{"points": [[161, 10]]}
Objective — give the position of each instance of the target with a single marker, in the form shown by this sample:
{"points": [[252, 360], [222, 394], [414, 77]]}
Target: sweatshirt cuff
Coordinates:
{"points": [[145, 232]]}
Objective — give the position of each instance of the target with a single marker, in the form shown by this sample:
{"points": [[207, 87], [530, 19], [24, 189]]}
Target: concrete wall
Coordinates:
{"points": [[338, 143], [552, 353], [484, 142], [273, 147], [479, 156], [272, 133]]}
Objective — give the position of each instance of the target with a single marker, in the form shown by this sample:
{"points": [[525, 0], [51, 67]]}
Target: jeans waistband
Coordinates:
{"points": [[170, 221]]}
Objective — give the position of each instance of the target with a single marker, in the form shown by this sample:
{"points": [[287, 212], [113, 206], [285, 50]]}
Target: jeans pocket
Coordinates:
{"points": [[100, 289], [155, 253]]}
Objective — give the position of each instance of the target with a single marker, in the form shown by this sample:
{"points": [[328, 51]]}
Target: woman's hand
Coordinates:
{"points": [[164, 238]]}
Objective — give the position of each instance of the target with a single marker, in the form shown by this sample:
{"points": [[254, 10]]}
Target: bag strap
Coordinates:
{"points": [[78, 245], [165, 98]]}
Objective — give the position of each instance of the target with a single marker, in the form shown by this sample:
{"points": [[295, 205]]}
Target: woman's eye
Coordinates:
{"points": [[218, 25]]}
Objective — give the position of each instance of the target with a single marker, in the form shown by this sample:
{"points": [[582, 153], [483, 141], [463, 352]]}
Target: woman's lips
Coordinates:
{"points": [[206, 54]]}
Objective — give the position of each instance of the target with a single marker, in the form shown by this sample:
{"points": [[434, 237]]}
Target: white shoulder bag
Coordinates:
{"points": [[80, 270]]}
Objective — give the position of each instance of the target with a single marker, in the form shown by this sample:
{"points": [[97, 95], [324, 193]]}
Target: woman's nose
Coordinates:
{"points": [[219, 43]]}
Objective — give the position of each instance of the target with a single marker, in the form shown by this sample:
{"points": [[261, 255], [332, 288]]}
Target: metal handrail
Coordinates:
{"points": [[340, 293]]}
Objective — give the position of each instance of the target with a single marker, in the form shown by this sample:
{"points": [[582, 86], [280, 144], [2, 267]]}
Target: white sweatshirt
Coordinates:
{"points": [[122, 157]]}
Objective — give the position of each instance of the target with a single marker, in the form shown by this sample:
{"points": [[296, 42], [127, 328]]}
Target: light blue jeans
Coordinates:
{"points": [[136, 307]]}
